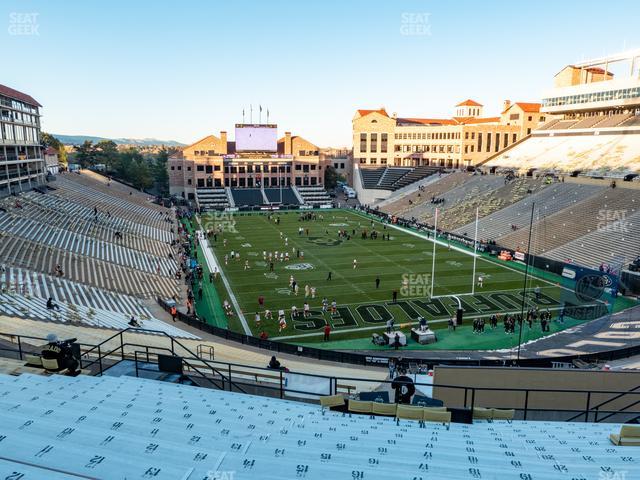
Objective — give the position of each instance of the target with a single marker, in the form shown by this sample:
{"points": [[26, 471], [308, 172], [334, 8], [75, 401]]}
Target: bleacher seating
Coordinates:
{"points": [[614, 120], [616, 243], [247, 197], [17, 305], [394, 178], [548, 201], [631, 122], [581, 218], [415, 175], [125, 427], [435, 189], [371, 176], [212, 198], [488, 202], [314, 195], [474, 185], [80, 244], [287, 198], [35, 284], [596, 155], [588, 122], [391, 176]]}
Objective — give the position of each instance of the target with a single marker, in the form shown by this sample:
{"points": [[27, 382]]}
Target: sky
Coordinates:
{"points": [[184, 69]]}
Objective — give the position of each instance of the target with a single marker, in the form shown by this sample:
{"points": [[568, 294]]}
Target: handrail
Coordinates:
{"points": [[228, 369], [596, 407]]}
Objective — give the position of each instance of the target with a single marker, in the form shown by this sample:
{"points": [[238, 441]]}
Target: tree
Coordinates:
{"points": [[160, 173], [86, 154], [49, 140], [330, 177], [106, 151]]}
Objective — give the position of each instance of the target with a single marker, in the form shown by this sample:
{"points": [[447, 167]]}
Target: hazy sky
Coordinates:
{"points": [[183, 69]]}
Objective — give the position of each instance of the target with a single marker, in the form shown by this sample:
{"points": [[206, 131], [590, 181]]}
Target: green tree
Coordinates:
{"points": [[330, 177], [106, 151], [160, 173], [49, 140], [86, 154]]}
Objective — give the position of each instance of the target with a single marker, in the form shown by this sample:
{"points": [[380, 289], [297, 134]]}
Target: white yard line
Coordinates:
{"points": [[212, 263]]}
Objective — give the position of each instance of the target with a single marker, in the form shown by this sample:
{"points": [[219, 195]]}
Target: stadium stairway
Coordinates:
{"points": [[124, 427], [548, 201], [596, 211], [371, 176]]}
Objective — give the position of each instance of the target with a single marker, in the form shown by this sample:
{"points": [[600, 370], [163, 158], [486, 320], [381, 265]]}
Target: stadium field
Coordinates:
{"points": [[403, 263]]}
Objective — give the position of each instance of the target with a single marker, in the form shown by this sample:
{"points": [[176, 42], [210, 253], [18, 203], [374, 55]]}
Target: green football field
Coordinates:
{"points": [[403, 264]]}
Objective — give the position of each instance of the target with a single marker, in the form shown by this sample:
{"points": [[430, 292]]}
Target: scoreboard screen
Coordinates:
{"points": [[256, 138]]}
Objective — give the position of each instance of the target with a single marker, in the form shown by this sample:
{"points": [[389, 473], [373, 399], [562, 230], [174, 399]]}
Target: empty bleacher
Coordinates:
{"points": [[548, 201], [596, 211], [125, 427], [285, 196], [36, 284], [614, 120], [391, 176], [247, 197], [314, 195], [415, 175], [615, 242], [17, 305], [212, 198], [599, 155], [371, 176], [631, 122]]}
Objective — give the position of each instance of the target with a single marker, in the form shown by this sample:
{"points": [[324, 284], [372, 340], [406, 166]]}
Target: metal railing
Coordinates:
{"points": [[240, 377]]}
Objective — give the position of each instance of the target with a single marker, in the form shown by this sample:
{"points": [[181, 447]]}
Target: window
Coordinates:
{"points": [[172, 167], [211, 153], [515, 116], [488, 142], [383, 143], [514, 137], [383, 161], [363, 142], [528, 131], [479, 141], [374, 143], [179, 167], [298, 167], [200, 168], [342, 165], [189, 181], [200, 182], [188, 169], [209, 169], [529, 118]]}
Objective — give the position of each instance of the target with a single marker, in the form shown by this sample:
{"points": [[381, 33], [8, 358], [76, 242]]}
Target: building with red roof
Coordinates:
{"points": [[466, 138]]}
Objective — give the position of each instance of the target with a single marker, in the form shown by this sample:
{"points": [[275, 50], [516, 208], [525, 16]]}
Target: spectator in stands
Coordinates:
{"points": [[174, 312], [133, 322], [274, 364], [404, 387], [51, 305], [263, 335]]}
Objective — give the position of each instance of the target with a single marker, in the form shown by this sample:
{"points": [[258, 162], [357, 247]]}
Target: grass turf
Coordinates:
{"points": [[403, 264]]}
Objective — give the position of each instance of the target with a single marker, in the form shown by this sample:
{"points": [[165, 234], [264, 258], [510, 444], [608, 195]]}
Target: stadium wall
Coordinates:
{"points": [[511, 380]]}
